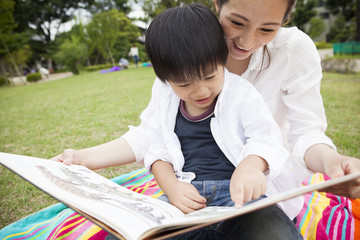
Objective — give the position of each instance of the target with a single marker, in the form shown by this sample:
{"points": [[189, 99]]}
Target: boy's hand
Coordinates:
{"points": [[186, 197], [247, 182], [68, 157]]}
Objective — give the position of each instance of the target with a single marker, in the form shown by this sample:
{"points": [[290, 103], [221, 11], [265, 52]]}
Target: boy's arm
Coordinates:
{"points": [[248, 180], [181, 194]]}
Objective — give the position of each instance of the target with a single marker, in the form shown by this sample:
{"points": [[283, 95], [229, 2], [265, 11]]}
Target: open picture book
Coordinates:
{"points": [[124, 213]]}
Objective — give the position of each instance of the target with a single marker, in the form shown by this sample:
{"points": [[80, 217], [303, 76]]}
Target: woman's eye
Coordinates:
{"points": [[237, 23], [267, 30]]}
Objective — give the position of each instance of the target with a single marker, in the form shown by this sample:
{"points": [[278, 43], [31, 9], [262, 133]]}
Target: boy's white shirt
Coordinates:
{"points": [[290, 86], [242, 125]]}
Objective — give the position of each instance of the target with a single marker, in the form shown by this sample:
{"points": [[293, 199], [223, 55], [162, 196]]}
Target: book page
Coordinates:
{"points": [[123, 210], [211, 215]]}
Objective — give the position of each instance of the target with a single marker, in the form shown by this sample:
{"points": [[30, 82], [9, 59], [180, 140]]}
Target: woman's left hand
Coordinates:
{"points": [[338, 167]]}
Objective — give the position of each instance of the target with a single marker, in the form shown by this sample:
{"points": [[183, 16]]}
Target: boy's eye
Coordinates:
{"points": [[183, 85], [209, 77]]}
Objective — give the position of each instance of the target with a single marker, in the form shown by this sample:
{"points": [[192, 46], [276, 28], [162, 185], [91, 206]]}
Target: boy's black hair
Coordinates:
{"points": [[185, 43]]}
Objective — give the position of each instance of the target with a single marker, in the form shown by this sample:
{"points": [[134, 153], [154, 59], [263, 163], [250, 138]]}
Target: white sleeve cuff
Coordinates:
{"points": [[299, 150], [137, 139]]}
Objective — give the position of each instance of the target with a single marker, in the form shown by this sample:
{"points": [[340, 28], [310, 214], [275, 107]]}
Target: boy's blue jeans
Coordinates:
{"points": [[267, 223]]}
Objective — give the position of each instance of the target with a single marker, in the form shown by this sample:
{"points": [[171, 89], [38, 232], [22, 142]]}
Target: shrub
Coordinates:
{"points": [[2, 81], [98, 67], [323, 45], [33, 77]]}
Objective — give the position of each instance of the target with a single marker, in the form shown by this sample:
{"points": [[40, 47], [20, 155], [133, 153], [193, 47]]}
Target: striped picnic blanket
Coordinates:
{"points": [[324, 216], [327, 216]]}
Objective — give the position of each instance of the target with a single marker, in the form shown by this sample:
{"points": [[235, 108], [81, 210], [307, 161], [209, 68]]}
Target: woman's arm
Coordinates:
{"points": [[113, 153], [311, 149], [321, 158], [129, 148]]}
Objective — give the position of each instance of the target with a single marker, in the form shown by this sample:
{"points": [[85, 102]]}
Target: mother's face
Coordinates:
{"points": [[250, 24]]}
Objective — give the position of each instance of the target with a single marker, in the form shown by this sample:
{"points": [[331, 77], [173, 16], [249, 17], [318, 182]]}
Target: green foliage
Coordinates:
{"points": [[106, 5], [7, 23], [153, 8], [72, 54], [317, 28], [344, 7], [107, 29], [323, 45], [3, 81], [33, 77], [98, 67], [304, 11], [339, 31]]}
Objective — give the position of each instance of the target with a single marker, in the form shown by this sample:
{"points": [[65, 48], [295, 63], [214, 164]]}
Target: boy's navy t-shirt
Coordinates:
{"points": [[202, 155]]}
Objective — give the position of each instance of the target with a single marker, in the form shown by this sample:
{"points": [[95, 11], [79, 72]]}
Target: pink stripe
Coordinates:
{"points": [[336, 226], [147, 188], [302, 215], [72, 228], [99, 235], [55, 231], [312, 215], [352, 223], [349, 222]]}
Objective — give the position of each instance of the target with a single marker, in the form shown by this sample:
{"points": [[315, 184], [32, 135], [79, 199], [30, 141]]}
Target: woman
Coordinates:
{"points": [[283, 64]]}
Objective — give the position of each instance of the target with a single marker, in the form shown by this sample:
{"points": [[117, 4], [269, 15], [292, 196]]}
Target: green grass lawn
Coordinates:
{"points": [[81, 111]]}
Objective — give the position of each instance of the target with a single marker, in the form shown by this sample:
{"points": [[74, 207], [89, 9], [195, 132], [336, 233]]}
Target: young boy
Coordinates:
{"points": [[212, 141]]}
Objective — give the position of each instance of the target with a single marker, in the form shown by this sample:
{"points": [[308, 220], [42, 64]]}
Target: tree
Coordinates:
{"points": [[42, 19], [343, 7], [357, 36], [153, 8], [317, 28], [108, 28], [304, 11], [13, 50], [72, 53], [106, 5], [339, 31], [348, 11]]}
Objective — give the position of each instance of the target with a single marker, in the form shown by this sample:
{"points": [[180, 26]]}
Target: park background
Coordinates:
{"points": [[75, 40]]}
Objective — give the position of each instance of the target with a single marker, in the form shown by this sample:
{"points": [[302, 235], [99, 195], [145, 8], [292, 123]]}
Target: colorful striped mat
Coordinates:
{"points": [[59, 222], [327, 216], [324, 216]]}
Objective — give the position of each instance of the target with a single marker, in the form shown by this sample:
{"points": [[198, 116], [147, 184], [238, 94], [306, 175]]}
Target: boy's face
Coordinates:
{"points": [[199, 94]]}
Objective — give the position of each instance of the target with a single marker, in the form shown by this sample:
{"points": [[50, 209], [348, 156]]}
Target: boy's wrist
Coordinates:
{"points": [[254, 161]]}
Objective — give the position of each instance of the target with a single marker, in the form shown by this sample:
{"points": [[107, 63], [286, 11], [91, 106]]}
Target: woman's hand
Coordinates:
{"points": [[69, 156], [321, 158], [338, 167]]}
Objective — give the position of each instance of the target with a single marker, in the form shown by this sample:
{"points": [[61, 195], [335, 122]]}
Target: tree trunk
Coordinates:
{"points": [[50, 65], [110, 54], [16, 68], [357, 36], [4, 74]]}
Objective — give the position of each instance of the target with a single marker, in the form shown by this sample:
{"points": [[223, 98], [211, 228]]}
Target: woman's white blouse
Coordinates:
{"points": [[289, 81]]}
